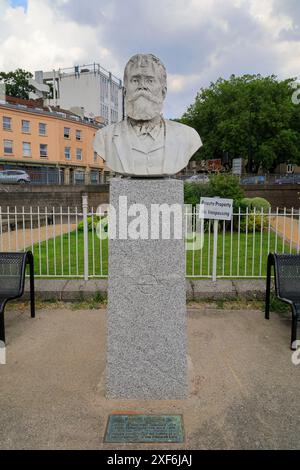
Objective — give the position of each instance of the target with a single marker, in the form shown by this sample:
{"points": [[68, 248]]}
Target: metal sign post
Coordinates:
{"points": [[215, 252]]}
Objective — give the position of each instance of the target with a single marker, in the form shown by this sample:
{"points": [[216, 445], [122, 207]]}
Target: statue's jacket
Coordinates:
{"points": [[113, 145]]}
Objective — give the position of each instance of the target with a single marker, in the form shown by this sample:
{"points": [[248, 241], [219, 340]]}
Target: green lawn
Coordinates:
{"points": [[50, 262], [235, 254], [64, 256]]}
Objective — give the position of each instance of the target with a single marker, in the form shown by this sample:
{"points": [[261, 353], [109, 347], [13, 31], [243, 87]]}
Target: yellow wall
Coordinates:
{"points": [[54, 138]]}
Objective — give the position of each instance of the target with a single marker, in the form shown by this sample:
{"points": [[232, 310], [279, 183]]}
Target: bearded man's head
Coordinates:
{"points": [[145, 82]]}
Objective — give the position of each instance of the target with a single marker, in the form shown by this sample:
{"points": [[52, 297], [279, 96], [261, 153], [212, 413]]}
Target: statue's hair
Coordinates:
{"points": [[143, 59]]}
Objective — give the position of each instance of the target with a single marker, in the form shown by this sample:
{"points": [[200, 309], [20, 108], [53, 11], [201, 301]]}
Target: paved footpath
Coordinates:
{"points": [[244, 389], [287, 228], [21, 239]]}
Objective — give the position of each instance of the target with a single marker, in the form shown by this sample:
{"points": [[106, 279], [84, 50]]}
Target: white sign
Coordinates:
{"points": [[237, 164], [216, 208]]}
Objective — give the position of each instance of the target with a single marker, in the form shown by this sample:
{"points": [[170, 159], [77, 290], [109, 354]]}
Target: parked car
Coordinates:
{"points": [[288, 179], [201, 178], [14, 177]]}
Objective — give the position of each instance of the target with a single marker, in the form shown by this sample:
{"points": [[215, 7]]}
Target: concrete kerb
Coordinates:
{"points": [[74, 290], [209, 290], [250, 289], [46, 289], [79, 290]]}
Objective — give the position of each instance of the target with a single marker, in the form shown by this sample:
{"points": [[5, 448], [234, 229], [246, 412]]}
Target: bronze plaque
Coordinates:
{"points": [[144, 428]]}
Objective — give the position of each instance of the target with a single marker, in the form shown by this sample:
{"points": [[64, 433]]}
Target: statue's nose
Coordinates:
{"points": [[142, 84]]}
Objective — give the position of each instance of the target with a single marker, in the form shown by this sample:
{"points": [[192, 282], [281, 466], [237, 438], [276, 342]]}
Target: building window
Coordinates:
{"points": [[25, 126], [68, 153], [26, 149], [95, 157], [94, 177], [78, 177], [78, 134], [43, 150], [6, 123], [78, 154], [66, 132], [42, 128], [8, 146]]}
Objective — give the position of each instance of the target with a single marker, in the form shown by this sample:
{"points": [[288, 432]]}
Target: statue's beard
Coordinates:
{"points": [[143, 106]]}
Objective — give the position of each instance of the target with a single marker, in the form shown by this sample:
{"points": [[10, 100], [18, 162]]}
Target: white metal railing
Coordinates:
{"points": [[65, 245]]}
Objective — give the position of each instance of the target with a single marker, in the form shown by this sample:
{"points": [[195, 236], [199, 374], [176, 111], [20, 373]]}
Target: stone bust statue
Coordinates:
{"points": [[146, 144]]}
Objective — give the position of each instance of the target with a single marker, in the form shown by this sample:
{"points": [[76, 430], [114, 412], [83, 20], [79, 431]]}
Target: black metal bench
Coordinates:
{"points": [[287, 286], [12, 280]]}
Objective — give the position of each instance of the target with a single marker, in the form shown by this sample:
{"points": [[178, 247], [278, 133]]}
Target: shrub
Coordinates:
{"points": [[226, 185], [223, 185], [194, 191], [255, 203], [256, 218], [246, 202], [261, 203], [92, 223]]}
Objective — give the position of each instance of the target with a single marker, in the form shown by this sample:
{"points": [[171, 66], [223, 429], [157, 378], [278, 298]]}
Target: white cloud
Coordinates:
{"points": [[40, 39], [198, 40], [178, 83]]}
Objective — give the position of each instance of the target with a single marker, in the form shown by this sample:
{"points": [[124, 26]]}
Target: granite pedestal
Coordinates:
{"points": [[146, 348]]}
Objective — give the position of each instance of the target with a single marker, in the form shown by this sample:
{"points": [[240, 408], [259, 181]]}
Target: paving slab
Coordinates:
{"points": [[243, 387]]}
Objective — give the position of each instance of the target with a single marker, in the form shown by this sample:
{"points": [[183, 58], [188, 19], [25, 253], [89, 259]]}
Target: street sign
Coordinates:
{"points": [[237, 164], [216, 208]]}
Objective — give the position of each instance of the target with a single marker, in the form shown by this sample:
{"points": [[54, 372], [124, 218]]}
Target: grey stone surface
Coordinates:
{"points": [[66, 290], [146, 349], [83, 290], [250, 289], [46, 289], [189, 290], [73, 290], [222, 289]]}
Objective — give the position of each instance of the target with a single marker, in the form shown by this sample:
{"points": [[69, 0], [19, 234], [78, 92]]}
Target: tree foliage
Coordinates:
{"points": [[17, 83], [220, 185], [248, 116]]}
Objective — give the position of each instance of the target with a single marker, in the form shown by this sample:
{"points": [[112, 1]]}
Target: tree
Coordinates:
{"points": [[17, 83], [249, 116]]}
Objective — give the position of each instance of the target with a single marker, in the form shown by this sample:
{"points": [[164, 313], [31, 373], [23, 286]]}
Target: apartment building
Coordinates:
{"points": [[89, 90], [48, 143]]}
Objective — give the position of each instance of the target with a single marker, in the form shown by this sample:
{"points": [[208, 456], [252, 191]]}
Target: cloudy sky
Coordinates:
{"points": [[198, 40]]}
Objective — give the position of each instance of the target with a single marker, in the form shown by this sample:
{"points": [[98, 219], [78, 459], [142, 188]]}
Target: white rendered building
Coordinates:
{"points": [[87, 90]]}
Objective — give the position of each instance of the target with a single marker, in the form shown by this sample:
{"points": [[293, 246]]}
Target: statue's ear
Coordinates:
{"points": [[164, 92]]}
